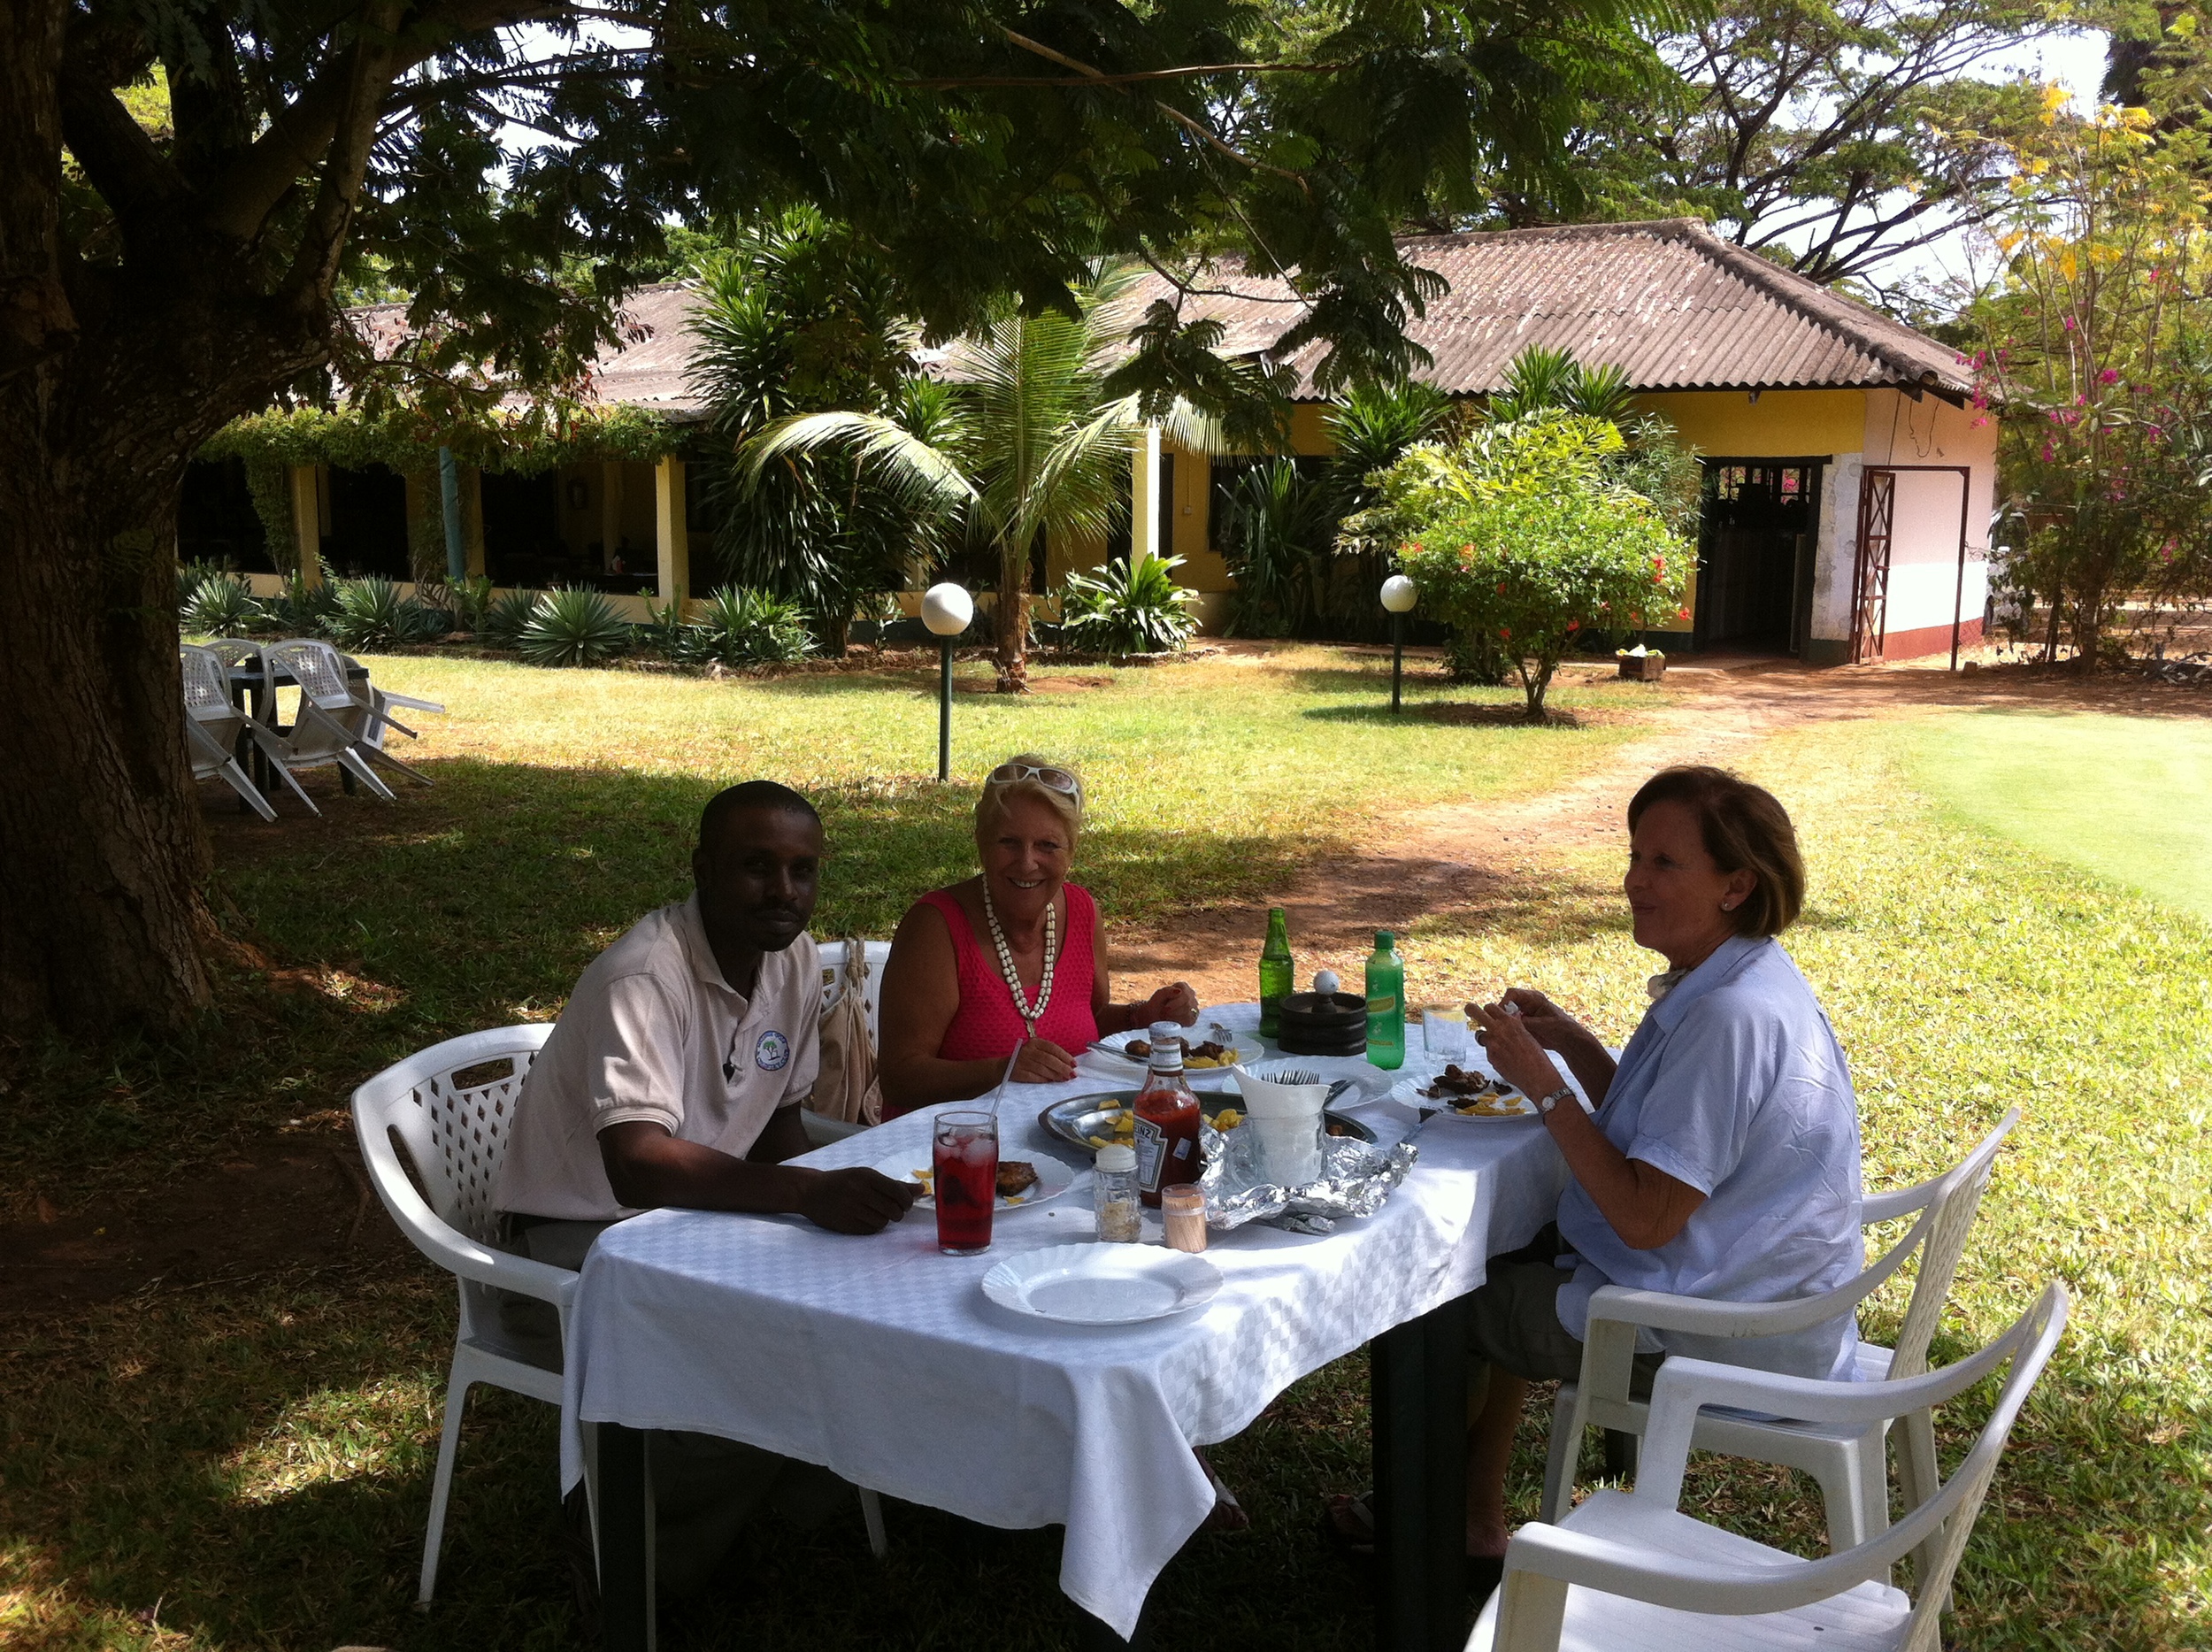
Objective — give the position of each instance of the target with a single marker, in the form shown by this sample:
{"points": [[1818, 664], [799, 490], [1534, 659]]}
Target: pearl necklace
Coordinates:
{"points": [[1031, 1014]]}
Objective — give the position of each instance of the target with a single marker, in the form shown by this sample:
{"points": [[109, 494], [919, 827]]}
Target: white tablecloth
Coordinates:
{"points": [[882, 1359]]}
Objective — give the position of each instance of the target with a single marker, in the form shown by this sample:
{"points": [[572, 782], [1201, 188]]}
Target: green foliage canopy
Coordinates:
{"points": [[1521, 534]]}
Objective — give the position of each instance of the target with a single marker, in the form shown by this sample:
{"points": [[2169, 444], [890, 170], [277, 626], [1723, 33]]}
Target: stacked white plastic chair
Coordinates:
{"points": [[453, 1107], [1629, 1572], [330, 721], [213, 723], [1848, 1460]]}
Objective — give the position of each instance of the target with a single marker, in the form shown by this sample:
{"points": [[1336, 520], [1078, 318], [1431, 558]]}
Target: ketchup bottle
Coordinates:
{"points": [[1167, 1118]]}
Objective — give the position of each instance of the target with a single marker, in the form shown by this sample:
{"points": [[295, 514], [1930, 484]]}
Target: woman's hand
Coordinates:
{"points": [[1545, 1021], [1514, 1048], [1040, 1061], [1178, 1003]]}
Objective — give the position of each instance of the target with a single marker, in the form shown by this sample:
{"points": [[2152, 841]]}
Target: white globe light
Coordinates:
{"points": [[1398, 593], [947, 609]]}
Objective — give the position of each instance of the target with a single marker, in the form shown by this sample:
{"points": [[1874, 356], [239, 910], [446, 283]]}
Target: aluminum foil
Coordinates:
{"points": [[1356, 1179]]}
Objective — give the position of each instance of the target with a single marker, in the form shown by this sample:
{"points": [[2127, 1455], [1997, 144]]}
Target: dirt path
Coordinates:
{"points": [[1460, 854]]}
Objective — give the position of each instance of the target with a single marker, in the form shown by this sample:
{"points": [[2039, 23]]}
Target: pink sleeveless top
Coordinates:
{"points": [[987, 1026]]}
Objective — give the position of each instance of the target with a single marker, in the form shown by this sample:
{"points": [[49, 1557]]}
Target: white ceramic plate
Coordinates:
{"points": [[1100, 1284], [1053, 1177], [1414, 1093], [1244, 1047]]}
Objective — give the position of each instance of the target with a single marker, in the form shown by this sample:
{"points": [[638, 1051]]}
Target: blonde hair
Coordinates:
{"points": [[990, 808]]}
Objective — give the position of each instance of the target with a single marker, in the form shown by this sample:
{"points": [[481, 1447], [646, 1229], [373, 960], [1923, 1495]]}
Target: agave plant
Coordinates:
{"points": [[372, 614], [748, 627], [1128, 611], [664, 632], [506, 619], [190, 577], [220, 605], [300, 610], [573, 626]]}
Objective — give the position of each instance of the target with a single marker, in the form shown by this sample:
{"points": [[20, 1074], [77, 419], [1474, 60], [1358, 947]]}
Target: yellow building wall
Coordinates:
{"points": [[1780, 425]]}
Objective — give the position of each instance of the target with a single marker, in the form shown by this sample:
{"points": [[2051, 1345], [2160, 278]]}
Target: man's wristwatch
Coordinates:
{"points": [[1565, 1093]]}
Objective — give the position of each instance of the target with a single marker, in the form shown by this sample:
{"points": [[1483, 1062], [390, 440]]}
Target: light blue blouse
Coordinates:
{"points": [[1734, 1083]]}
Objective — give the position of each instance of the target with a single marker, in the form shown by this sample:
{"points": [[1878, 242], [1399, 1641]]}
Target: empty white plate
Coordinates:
{"points": [[1101, 1284]]}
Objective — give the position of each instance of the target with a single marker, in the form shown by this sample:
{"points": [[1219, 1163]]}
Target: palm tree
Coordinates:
{"points": [[1031, 444]]}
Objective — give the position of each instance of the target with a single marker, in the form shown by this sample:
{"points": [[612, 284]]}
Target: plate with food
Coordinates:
{"points": [[1457, 1093], [1092, 1122], [1021, 1182], [1214, 1051]]}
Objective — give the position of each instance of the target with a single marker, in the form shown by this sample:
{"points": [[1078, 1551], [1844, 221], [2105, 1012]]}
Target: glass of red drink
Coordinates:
{"points": [[966, 1157]]}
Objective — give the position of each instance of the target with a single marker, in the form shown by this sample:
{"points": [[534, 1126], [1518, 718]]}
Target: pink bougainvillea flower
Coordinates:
{"points": [[2110, 375], [2069, 325], [2047, 454]]}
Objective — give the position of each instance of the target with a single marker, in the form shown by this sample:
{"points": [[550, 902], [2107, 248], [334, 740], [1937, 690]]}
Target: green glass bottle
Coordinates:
{"points": [[1278, 972], [1386, 1004]]}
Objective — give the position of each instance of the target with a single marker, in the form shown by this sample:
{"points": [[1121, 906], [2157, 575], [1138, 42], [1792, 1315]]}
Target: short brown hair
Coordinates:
{"points": [[1745, 828]]}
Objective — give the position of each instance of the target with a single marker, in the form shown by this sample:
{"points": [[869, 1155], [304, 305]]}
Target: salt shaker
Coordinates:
{"points": [[1114, 1195], [1183, 1210]]}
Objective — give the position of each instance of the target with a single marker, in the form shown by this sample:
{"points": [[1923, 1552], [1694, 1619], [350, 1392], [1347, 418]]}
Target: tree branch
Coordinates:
{"points": [[1097, 78]]}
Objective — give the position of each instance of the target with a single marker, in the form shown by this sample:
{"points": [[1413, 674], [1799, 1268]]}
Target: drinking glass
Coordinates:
{"points": [[965, 1151], [1444, 1032]]}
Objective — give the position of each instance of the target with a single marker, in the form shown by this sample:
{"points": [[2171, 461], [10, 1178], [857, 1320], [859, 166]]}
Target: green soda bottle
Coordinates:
{"points": [[1386, 1004], [1276, 972]]}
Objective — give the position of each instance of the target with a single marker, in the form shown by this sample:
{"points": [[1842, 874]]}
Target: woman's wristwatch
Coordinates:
{"points": [[1565, 1093]]}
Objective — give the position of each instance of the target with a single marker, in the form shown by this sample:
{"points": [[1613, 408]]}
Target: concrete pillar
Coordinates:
{"points": [[671, 532], [1144, 500], [609, 511], [307, 521]]}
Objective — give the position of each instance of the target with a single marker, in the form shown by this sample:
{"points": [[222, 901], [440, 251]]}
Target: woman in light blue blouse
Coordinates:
{"points": [[1721, 1159]]}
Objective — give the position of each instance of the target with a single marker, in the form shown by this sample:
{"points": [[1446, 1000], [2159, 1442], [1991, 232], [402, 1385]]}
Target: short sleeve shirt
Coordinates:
{"points": [[1735, 1084], [653, 1032]]}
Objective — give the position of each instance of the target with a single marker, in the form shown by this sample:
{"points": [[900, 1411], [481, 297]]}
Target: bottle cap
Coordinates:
{"points": [[1383, 940], [1116, 1161], [1166, 1030]]}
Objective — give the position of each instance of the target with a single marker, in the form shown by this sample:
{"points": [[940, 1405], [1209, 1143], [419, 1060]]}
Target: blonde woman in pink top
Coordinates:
{"points": [[1014, 956]]}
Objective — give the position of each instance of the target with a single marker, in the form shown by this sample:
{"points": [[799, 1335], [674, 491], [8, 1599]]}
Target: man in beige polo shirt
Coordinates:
{"points": [[674, 1077]]}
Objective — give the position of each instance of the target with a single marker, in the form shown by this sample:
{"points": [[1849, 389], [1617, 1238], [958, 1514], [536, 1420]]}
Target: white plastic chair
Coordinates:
{"points": [[1627, 1572], [1848, 1462], [456, 1136], [380, 719], [212, 725], [820, 1131], [330, 718]]}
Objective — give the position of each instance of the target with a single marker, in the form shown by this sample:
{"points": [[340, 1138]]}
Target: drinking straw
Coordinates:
{"points": [[1000, 1092]]}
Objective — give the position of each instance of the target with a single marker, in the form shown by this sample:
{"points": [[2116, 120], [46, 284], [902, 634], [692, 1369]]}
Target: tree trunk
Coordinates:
{"points": [[1012, 623], [102, 920]]}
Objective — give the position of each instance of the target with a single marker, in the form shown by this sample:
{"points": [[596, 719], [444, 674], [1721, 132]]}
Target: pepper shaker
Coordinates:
{"points": [[1114, 1195]]}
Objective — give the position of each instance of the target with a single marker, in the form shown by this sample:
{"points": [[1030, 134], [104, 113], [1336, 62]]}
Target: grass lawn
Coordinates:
{"points": [[247, 1465], [2125, 797]]}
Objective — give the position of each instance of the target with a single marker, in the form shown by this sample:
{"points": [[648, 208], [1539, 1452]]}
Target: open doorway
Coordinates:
{"points": [[1757, 538]]}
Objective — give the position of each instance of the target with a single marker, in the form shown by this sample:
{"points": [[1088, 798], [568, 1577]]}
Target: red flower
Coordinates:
{"points": [[1501, 588], [1576, 625], [1681, 613], [1504, 630]]}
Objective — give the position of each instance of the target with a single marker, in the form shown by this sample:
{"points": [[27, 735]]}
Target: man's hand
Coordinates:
{"points": [[859, 1201], [1040, 1061], [1178, 1003], [1514, 1050]]}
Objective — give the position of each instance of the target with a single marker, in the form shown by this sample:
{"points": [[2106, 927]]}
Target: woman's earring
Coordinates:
{"points": [[1727, 906]]}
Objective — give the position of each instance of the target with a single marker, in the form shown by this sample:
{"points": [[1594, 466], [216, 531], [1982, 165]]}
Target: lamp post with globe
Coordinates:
{"points": [[946, 611], [1398, 596]]}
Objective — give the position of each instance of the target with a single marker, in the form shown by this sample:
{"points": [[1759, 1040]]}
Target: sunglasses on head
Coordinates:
{"points": [[1055, 779]]}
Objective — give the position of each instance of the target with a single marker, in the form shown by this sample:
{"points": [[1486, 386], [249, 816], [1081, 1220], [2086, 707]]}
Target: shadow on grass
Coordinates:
{"points": [[1458, 713]]}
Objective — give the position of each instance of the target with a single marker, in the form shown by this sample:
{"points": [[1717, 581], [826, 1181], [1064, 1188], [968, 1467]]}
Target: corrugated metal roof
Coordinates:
{"points": [[1668, 302], [650, 368]]}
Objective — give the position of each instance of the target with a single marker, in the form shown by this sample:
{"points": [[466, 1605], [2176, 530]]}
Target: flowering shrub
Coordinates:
{"points": [[1524, 537]]}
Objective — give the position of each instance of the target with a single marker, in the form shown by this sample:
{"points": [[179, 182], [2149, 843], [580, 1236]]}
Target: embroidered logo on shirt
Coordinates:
{"points": [[770, 1051]]}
